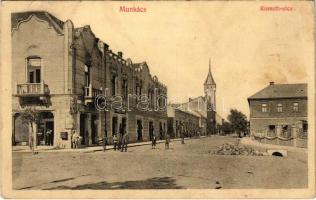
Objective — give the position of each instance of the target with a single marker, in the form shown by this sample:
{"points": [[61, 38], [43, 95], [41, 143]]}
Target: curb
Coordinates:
{"points": [[100, 148]]}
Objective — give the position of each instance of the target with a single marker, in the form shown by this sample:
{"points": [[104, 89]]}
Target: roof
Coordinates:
{"points": [[18, 17], [209, 79], [282, 91], [190, 112]]}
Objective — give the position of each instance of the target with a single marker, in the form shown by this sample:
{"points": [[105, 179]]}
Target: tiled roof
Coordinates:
{"points": [[281, 91], [57, 24]]}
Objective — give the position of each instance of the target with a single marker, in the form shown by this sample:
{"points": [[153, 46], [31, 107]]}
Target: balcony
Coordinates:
{"points": [[32, 89], [90, 93]]}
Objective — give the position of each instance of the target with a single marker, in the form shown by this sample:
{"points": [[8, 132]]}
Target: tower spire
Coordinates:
{"points": [[209, 79]]}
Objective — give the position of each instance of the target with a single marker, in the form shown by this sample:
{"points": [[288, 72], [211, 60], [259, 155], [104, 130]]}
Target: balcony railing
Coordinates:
{"points": [[90, 93], [32, 89]]}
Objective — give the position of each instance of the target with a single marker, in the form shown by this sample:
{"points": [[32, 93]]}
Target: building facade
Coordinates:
{"points": [[278, 114], [59, 71], [184, 123]]}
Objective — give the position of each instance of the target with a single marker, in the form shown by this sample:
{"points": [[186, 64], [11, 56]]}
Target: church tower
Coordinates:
{"points": [[210, 90]]}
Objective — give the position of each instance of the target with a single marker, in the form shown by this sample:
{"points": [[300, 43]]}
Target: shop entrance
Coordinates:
{"points": [[44, 135]]}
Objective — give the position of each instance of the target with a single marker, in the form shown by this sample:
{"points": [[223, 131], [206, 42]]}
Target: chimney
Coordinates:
{"points": [[271, 83], [120, 54], [106, 46]]}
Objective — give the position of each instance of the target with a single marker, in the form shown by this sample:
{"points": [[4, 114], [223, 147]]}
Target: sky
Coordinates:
{"points": [[248, 47]]}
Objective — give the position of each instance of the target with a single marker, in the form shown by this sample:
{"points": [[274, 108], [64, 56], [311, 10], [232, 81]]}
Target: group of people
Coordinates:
{"points": [[44, 138], [167, 141], [120, 142]]}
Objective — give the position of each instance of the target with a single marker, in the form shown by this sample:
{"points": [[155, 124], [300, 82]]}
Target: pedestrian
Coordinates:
{"points": [[167, 141], [119, 141], [125, 139], [105, 141], [76, 139], [153, 142], [115, 141]]}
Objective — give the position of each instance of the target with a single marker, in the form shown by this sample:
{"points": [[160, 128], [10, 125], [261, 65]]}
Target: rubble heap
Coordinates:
{"points": [[233, 149]]}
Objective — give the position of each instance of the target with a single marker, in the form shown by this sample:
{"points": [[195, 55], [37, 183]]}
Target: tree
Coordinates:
{"points": [[226, 128], [31, 117], [238, 121]]}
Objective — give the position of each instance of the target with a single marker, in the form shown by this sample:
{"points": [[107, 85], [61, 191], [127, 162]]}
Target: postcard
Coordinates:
{"points": [[157, 99]]}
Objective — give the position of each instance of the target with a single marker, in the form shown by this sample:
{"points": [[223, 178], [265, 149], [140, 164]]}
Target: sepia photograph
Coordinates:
{"points": [[158, 99]]}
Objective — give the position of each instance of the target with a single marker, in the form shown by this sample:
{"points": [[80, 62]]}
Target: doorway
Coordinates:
{"points": [[139, 130], [114, 125], [124, 125], [83, 128], [151, 129], [94, 128]]}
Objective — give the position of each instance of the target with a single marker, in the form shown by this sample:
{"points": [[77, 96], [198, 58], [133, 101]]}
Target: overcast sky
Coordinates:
{"points": [[248, 47]]}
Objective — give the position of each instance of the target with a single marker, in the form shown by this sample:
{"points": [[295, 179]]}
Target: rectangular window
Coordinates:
{"points": [[295, 107], [34, 70], [264, 107], [124, 88], [113, 84], [279, 108], [87, 75]]}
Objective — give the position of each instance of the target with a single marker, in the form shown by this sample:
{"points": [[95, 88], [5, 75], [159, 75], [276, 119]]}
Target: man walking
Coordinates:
{"points": [[115, 140], [153, 142], [167, 141], [124, 142], [105, 141]]}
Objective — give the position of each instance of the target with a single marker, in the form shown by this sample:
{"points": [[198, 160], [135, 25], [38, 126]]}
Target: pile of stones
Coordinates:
{"points": [[232, 149]]}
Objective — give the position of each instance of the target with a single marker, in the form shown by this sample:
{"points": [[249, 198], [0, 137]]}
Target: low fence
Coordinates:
{"points": [[296, 138]]}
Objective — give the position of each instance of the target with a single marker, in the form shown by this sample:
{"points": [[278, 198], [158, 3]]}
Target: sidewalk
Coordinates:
{"points": [[251, 142], [90, 149]]}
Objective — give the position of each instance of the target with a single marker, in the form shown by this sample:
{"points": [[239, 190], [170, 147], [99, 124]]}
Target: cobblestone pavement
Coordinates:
{"points": [[182, 166]]}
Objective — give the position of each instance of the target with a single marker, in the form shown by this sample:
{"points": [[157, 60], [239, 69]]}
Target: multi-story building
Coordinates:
{"points": [[59, 70], [278, 113]]}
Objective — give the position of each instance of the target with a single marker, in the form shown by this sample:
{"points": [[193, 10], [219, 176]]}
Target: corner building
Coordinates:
{"points": [[59, 70]]}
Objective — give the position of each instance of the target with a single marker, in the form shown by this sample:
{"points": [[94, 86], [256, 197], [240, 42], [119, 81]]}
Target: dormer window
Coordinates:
{"points": [[280, 107], [34, 70], [295, 107], [264, 107]]}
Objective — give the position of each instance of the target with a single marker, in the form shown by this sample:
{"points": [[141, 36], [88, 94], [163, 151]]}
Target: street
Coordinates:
{"points": [[183, 166]]}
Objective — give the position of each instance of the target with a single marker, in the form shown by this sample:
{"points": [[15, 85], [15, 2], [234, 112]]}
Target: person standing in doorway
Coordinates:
{"points": [[51, 137], [47, 137]]}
